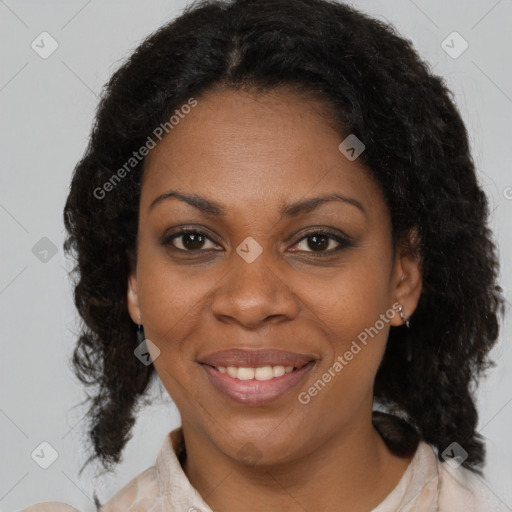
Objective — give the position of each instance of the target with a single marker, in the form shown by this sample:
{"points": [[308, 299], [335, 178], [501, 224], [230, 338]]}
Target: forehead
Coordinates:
{"points": [[244, 149]]}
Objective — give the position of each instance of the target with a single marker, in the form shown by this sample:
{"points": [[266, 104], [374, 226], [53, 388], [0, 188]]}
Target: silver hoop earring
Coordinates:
{"points": [[403, 317]]}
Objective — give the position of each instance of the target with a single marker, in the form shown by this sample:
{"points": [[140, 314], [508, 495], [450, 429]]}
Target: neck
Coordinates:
{"points": [[353, 470]]}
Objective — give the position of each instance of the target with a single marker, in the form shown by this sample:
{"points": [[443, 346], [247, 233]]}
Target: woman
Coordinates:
{"points": [[278, 215]]}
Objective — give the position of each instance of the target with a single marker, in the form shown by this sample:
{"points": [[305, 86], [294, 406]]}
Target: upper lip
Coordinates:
{"points": [[256, 358]]}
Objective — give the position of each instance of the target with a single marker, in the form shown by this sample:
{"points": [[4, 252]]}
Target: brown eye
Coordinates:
{"points": [[189, 241], [322, 242], [318, 242]]}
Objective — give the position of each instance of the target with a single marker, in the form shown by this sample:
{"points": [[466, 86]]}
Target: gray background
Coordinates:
{"points": [[47, 107]]}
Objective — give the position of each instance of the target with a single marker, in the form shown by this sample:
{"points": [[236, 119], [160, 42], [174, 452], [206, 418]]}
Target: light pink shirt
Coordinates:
{"points": [[427, 485]]}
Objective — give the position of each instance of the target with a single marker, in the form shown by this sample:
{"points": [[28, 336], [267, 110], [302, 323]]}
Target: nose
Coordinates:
{"points": [[254, 294]]}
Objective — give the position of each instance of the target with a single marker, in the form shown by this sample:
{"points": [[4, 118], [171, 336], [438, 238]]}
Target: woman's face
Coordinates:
{"points": [[257, 274]]}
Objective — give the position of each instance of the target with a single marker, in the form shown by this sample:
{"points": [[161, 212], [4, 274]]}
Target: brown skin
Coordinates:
{"points": [[251, 154]]}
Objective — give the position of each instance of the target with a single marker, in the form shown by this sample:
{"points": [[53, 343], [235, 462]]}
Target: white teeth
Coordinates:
{"points": [[278, 371], [264, 373], [261, 373], [245, 373], [232, 371]]}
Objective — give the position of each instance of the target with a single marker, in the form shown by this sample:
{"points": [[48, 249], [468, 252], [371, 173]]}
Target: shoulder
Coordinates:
{"points": [[462, 490], [50, 506], [144, 489]]}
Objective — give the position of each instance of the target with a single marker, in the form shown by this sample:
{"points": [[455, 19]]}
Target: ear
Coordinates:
{"points": [[407, 281], [133, 298]]}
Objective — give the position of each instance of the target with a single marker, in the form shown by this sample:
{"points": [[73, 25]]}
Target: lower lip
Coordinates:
{"points": [[256, 392]]}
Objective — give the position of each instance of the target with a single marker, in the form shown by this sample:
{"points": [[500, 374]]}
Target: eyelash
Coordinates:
{"points": [[344, 242]]}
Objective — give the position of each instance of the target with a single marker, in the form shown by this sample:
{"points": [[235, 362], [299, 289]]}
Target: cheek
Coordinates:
{"points": [[170, 304], [351, 297], [171, 296], [352, 310], [357, 339]]}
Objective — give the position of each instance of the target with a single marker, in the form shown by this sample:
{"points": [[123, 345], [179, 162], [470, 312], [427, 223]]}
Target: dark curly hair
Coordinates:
{"points": [[376, 87]]}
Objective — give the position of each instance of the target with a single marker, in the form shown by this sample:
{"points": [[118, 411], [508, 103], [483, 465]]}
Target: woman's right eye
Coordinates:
{"points": [[188, 241]]}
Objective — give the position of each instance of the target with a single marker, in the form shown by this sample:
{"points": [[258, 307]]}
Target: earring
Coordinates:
{"points": [[140, 334], [403, 317]]}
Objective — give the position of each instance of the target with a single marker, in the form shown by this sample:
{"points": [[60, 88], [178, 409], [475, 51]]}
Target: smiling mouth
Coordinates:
{"points": [[256, 386], [258, 373]]}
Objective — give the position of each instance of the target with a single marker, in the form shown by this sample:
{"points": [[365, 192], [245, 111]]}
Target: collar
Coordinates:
{"points": [[418, 489], [172, 481]]}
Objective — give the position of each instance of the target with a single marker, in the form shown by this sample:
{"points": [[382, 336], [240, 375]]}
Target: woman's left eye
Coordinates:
{"points": [[322, 242]]}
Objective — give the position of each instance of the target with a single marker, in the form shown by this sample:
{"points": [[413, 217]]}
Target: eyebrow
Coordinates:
{"points": [[215, 209]]}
